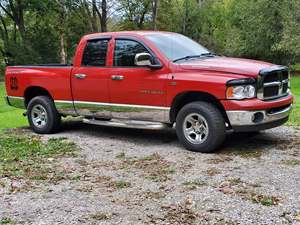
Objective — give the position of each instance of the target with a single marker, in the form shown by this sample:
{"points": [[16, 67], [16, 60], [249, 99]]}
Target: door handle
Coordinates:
{"points": [[117, 77], [80, 76]]}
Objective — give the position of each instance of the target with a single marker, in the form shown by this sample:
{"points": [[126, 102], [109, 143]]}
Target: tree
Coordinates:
{"points": [[290, 43], [15, 10]]}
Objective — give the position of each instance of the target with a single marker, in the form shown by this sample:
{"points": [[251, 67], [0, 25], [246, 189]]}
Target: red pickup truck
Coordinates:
{"points": [[153, 80]]}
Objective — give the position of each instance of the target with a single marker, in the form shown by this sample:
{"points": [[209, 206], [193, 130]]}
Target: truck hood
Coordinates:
{"points": [[247, 67]]}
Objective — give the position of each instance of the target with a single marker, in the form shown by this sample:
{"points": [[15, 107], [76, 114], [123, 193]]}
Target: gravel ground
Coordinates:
{"points": [[124, 176]]}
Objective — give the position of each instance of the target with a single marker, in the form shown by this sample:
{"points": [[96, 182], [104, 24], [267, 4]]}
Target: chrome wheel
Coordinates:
{"points": [[195, 128], [39, 116]]}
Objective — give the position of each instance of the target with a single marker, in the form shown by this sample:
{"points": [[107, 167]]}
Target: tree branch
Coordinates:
{"points": [[6, 11]]}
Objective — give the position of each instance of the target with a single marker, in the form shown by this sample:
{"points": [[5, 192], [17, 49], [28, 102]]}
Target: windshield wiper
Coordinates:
{"points": [[208, 54], [187, 57]]}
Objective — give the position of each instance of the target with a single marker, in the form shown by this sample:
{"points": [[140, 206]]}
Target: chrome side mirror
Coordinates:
{"points": [[143, 59]]}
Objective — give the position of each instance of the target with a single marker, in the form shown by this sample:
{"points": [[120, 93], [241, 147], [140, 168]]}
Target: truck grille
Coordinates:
{"points": [[273, 83]]}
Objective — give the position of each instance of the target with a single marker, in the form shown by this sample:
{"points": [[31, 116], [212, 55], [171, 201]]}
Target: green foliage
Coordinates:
{"points": [[254, 29], [260, 29]]}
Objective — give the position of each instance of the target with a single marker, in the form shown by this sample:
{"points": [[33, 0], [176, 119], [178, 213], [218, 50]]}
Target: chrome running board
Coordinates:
{"points": [[135, 124]]}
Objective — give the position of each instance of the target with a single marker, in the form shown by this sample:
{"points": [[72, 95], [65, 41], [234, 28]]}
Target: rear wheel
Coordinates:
{"points": [[200, 127], [43, 116]]}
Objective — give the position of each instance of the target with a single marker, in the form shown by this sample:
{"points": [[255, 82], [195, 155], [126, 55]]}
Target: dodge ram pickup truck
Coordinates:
{"points": [[153, 80]]}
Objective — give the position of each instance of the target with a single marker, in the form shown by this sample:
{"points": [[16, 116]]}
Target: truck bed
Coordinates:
{"points": [[55, 78]]}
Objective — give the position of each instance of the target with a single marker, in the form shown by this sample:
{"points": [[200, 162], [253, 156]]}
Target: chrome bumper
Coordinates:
{"points": [[257, 119]]}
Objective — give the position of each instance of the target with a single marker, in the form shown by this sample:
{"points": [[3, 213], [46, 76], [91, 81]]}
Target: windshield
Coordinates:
{"points": [[176, 46]]}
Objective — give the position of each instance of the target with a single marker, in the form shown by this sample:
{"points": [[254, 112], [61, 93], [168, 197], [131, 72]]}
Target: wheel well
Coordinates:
{"points": [[32, 92], [188, 97]]}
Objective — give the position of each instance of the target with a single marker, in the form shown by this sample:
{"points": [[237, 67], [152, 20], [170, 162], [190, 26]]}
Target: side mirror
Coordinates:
{"points": [[145, 59]]}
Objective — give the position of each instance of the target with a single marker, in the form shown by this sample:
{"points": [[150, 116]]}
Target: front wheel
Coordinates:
{"points": [[200, 127], [43, 116]]}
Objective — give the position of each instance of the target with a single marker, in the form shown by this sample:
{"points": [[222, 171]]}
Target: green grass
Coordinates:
{"points": [[295, 117], [296, 67], [23, 155], [10, 117]]}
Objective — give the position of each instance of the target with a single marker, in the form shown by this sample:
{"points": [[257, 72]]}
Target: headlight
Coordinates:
{"points": [[241, 92]]}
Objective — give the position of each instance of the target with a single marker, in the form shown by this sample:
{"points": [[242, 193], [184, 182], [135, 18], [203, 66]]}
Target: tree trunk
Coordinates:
{"points": [[102, 16], [88, 14], [142, 18], [154, 14], [185, 17], [15, 11], [103, 19], [63, 54], [94, 16]]}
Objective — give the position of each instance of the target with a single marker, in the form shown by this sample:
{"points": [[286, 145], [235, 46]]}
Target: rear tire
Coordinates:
{"points": [[200, 127], [43, 116]]}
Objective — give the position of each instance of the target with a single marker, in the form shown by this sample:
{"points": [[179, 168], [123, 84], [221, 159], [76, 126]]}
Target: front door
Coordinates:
{"points": [[137, 93], [90, 81]]}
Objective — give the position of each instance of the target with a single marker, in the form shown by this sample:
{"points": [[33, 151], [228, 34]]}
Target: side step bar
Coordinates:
{"points": [[135, 124]]}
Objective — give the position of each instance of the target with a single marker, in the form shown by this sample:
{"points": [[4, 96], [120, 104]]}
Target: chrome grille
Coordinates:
{"points": [[273, 83]]}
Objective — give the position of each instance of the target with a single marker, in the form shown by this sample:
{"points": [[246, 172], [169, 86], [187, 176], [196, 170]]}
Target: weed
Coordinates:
{"points": [[121, 155], [192, 185], [219, 160], [182, 213], [249, 154], [264, 199], [101, 216], [213, 171], [119, 184], [7, 221], [247, 192], [154, 195], [154, 167], [292, 162], [25, 157]]}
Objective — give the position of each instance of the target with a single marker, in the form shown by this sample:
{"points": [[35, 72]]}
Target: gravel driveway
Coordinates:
{"points": [[124, 176]]}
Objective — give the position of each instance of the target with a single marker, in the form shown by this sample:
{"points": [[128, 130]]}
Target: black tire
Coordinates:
{"points": [[53, 121], [213, 120]]}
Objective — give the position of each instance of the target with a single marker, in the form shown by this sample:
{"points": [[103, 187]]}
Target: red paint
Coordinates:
{"points": [[208, 75]]}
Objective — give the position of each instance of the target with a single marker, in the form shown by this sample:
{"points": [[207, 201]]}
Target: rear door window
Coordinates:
{"points": [[95, 53]]}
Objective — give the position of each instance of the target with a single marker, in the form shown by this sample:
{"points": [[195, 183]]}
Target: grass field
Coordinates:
{"points": [[11, 117], [295, 117]]}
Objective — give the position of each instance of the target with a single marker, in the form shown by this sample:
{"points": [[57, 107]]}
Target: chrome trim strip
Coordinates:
{"points": [[114, 110], [121, 105], [18, 102], [245, 118], [282, 112], [276, 83], [65, 107], [15, 97]]}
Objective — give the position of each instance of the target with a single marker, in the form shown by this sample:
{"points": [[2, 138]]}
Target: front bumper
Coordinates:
{"points": [[256, 120]]}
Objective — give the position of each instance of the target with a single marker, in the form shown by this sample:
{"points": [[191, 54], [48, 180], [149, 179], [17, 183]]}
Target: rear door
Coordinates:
{"points": [[90, 81], [137, 93]]}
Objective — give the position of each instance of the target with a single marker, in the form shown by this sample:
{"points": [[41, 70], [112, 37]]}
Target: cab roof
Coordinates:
{"points": [[124, 33]]}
